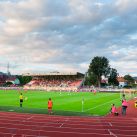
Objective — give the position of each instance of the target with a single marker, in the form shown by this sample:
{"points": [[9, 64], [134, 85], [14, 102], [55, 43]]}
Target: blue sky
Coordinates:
{"points": [[64, 35]]}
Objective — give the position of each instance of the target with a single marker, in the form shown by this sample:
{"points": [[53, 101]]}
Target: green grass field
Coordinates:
{"points": [[64, 103]]}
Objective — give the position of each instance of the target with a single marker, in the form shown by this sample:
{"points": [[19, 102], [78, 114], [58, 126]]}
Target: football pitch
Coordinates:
{"points": [[64, 103]]}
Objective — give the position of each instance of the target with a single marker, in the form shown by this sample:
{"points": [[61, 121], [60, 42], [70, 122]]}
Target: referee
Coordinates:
{"points": [[21, 99]]}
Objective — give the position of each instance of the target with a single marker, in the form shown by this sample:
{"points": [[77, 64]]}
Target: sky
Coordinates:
{"points": [[65, 35]]}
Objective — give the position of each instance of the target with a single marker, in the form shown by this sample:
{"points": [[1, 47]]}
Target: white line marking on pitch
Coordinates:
{"points": [[100, 105]]}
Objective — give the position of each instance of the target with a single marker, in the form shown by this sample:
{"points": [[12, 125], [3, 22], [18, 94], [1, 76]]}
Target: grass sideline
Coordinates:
{"points": [[64, 103]]}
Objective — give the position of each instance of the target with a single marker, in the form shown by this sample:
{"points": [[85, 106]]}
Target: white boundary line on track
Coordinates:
{"points": [[111, 133], [110, 124], [30, 118], [61, 125]]}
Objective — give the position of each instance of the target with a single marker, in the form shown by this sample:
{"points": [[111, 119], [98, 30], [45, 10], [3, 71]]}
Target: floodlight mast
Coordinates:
{"points": [[8, 69], [86, 73]]}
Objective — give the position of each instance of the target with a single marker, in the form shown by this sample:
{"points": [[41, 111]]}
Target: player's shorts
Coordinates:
{"points": [[21, 100], [49, 107], [116, 113]]}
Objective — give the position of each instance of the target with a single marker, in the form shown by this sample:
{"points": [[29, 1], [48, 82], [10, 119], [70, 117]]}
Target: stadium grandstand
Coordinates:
{"points": [[55, 81], [3, 78]]}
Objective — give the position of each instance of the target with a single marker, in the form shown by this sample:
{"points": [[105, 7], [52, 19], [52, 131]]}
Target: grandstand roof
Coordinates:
{"points": [[121, 79], [1, 73], [53, 74]]}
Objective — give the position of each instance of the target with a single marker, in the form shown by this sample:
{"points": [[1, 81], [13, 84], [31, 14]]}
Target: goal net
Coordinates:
{"points": [[128, 93]]}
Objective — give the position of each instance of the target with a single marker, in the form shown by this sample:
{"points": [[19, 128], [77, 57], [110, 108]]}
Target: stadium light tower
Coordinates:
{"points": [[8, 67], [86, 73]]}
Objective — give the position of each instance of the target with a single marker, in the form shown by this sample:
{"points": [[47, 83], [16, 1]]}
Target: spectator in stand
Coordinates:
{"points": [[53, 84], [50, 105]]}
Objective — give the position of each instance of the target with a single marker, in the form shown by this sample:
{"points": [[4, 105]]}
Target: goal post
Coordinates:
{"points": [[128, 93]]}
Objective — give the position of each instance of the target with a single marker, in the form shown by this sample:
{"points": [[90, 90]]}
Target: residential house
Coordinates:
{"points": [[122, 82]]}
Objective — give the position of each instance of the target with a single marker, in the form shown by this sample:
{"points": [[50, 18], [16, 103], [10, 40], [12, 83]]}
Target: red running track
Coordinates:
{"points": [[38, 125]]}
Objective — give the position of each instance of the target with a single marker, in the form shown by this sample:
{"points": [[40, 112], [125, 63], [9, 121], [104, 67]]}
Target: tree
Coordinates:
{"points": [[8, 83], [100, 67], [24, 79], [90, 79], [130, 80], [112, 79]]}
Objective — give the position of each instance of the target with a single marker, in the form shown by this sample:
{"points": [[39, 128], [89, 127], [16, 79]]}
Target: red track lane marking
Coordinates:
{"points": [[85, 125], [66, 120], [95, 119], [35, 119], [53, 127], [135, 119], [40, 132], [76, 123], [96, 135], [87, 120], [111, 131], [72, 123], [44, 115], [12, 125], [93, 124]]}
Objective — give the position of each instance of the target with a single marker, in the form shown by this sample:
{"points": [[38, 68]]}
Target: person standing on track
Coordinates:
{"points": [[124, 106], [50, 105], [21, 99]]}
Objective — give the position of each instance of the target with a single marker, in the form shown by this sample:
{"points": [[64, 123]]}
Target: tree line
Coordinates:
{"points": [[100, 67]]}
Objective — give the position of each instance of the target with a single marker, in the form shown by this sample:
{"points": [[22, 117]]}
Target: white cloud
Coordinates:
{"points": [[126, 5], [133, 36], [44, 35], [125, 68]]}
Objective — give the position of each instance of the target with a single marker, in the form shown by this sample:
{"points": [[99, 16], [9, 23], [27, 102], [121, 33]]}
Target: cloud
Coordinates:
{"points": [[44, 35]]}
